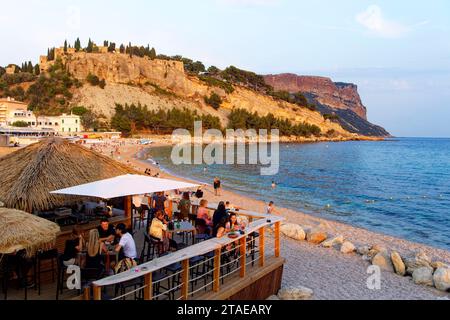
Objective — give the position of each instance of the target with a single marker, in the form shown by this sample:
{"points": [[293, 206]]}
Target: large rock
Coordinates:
{"points": [[397, 261], [441, 279], [317, 236], [423, 275], [273, 298], [348, 247], [437, 264], [333, 242], [383, 261], [2, 204], [417, 261], [363, 250], [293, 231], [295, 293]]}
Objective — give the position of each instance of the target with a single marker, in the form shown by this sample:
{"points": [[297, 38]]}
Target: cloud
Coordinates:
{"points": [[373, 20]]}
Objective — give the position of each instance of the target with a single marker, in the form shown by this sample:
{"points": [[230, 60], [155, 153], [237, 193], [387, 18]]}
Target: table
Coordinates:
{"points": [[185, 227]]}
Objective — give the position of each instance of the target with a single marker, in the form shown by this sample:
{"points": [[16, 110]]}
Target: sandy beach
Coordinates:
{"points": [[329, 273]]}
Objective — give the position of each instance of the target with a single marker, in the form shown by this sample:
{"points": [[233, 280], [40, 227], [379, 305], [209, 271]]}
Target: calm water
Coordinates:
{"points": [[399, 187]]}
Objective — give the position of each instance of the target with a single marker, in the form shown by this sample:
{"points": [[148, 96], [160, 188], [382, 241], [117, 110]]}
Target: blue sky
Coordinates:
{"points": [[397, 52]]}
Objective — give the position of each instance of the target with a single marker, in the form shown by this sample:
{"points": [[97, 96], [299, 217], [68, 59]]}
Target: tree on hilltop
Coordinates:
{"points": [[65, 46], [77, 45]]}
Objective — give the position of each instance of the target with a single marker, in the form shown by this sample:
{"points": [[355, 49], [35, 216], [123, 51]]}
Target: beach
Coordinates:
{"points": [[329, 273]]}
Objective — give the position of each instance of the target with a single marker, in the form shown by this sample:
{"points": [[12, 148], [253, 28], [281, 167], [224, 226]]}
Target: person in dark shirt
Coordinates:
{"points": [[220, 214], [159, 202], [106, 232], [73, 246]]}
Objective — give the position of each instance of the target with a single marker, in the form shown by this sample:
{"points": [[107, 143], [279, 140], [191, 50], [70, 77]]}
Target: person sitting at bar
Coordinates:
{"points": [[202, 213], [184, 206], [219, 214], [73, 246], [126, 244], [158, 231], [199, 193], [159, 202], [93, 257], [106, 232], [234, 224]]}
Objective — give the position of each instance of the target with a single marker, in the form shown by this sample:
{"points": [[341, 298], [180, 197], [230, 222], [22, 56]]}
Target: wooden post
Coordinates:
{"points": [[185, 280], [216, 285], [128, 213], [277, 239], [170, 209], [261, 247], [243, 243], [148, 290], [87, 294], [97, 292]]}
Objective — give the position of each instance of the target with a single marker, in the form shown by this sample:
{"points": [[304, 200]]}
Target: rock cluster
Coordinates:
{"points": [[419, 266]]}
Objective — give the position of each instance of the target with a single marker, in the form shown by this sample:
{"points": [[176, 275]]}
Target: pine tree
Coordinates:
{"points": [[30, 67], [131, 50], [122, 48], [153, 54], [90, 46], [37, 70], [65, 46], [106, 43], [77, 45]]}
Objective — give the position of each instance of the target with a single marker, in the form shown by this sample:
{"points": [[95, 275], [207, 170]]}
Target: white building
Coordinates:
{"points": [[64, 124]]}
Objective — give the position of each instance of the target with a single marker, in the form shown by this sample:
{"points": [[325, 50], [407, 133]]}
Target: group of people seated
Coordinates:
{"points": [[103, 240], [221, 222]]}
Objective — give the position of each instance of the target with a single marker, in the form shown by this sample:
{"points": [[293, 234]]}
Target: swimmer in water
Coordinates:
{"points": [[274, 185]]}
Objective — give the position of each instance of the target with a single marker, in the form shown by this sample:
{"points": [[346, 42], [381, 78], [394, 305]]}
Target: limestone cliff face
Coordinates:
{"points": [[129, 80], [334, 95]]}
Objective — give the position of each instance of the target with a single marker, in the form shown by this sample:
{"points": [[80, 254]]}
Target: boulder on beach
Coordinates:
{"points": [[416, 261], [397, 261], [437, 264], [348, 247], [383, 260], [423, 275], [293, 231], [295, 293], [378, 248], [317, 236], [333, 242], [363, 250], [441, 279], [274, 297]]}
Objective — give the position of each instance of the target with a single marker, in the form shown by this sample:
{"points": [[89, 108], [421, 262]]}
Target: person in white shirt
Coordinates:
{"points": [[126, 242], [271, 208]]}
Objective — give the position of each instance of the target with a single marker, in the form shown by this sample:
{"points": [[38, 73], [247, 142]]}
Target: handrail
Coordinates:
{"points": [[184, 254]]}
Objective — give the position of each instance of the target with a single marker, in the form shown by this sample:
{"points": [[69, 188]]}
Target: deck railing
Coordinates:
{"points": [[199, 268]]}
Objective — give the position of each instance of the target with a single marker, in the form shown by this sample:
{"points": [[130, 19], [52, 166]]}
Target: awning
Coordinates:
{"points": [[123, 186]]}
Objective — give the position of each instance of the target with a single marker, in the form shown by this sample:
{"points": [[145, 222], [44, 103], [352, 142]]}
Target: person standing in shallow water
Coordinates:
{"points": [[217, 187]]}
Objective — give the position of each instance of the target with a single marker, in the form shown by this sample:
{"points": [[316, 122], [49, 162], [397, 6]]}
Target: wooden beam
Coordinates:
{"points": [[277, 239], [148, 290], [87, 294], [243, 260], [216, 285], [262, 247], [128, 211], [170, 210], [97, 292], [185, 280]]}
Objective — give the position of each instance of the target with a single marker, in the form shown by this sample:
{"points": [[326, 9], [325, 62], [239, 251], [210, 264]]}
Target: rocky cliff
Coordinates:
{"points": [[339, 98], [133, 80]]}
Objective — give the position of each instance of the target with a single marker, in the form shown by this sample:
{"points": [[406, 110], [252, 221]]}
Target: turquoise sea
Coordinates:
{"points": [[399, 187]]}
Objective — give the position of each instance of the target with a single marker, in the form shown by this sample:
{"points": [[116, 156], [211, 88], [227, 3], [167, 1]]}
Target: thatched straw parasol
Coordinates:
{"points": [[28, 175], [20, 230]]}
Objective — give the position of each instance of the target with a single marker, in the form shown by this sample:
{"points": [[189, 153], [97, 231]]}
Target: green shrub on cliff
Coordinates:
{"points": [[214, 100]]}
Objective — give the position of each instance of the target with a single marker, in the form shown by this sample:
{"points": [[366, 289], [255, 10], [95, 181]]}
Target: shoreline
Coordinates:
{"points": [[313, 266]]}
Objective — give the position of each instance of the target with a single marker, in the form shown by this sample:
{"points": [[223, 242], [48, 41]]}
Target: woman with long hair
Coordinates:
{"points": [[93, 258]]}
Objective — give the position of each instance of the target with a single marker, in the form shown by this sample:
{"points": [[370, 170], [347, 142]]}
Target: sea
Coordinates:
{"points": [[398, 187]]}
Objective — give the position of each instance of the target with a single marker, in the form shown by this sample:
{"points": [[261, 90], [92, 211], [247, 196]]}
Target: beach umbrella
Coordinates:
{"points": [[20, 230]]}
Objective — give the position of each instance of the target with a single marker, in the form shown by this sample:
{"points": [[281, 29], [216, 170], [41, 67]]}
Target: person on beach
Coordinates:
{"points": [[271, 208], [217, 187], [274, 185]]}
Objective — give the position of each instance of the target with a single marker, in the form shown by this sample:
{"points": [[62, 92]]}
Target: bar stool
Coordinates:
{"points": [[46, 256]]}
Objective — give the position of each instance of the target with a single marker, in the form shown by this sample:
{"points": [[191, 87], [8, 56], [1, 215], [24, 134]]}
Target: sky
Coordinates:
{"points": [[397, 52]]}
